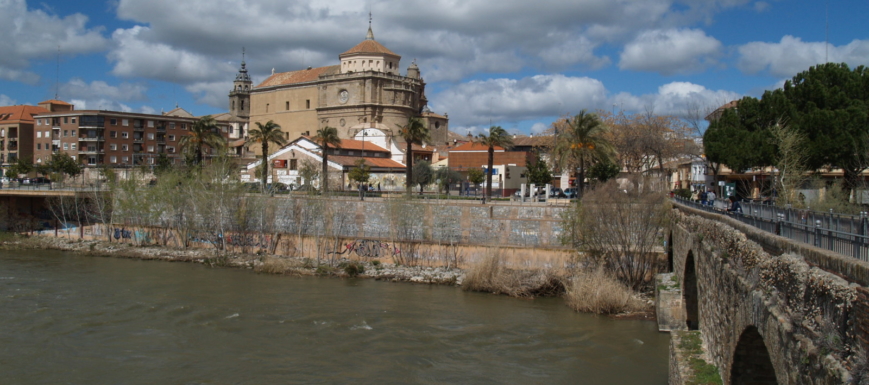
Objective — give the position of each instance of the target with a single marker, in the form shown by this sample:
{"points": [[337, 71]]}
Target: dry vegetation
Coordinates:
{"points": [[597, 291], [490, 275]]}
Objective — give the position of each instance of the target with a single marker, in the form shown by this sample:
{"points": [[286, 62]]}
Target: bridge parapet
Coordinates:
{"points": [[766, 318]]}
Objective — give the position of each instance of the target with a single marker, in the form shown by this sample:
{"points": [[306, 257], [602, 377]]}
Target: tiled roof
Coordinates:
{"points": [[369, 46], [55, 101], [352, 144], [417, 148], [301, 76], [533, 141], [350, 161], [180, 112], [472, 146], [20, 113]]}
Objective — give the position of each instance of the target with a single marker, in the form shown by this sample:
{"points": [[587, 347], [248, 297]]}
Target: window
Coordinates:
{"points": [[65, 132], [65, 120], [308, 104], [47, 135], [171, 138], [72, 147], [38, 134], [113, 159], [125, 135], [151, 123], [38, 122], [125, 159], [288, 106], [66, 146], [170, 149], [113, 134], [150, 136], [124, 147], [92, 160], [73, 132], [125, 122], [150, 148], [73, 120], [113, 147], [294, 164], [113, 121], [267, 107], [183, 126], [172, 125], [38, 146]]}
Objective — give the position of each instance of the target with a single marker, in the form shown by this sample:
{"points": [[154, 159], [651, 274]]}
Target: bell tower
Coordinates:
{"points": [[239, 97]]}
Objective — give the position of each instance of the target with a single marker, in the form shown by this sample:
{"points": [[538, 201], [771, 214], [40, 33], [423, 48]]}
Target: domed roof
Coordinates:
{"points": [[369, 45]]}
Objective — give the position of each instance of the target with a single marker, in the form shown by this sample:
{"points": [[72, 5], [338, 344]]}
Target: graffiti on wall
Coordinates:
{"points": [[369, 248]]}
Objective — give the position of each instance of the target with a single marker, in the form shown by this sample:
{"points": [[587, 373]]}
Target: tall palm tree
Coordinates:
{"points": [[497, 137], [203, 133], [265, 134], [581, 141], [327, 136], [414, 132]]}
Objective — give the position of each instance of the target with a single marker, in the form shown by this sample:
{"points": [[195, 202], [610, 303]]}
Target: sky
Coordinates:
{"points": [[515, 63]]}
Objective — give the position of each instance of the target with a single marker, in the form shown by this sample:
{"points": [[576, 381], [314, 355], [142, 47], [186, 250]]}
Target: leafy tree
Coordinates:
{"points": [[21, 166], [538, 171], [163, 164], [308, 172], [497, 137], [265, 134], [603, 171], [422, 174], [476, 176], [580, 142], [360, 174], [446, 177], [413, 132], [326, 136], [203, 133], [61, 164]]}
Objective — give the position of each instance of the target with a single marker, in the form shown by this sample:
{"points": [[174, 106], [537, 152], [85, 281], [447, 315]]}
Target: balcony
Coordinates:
{"points": [[161, 128], [93, 151], [92, 139]]}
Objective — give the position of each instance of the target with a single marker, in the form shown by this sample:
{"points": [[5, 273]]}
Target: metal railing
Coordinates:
{"points": [[841, 233]]}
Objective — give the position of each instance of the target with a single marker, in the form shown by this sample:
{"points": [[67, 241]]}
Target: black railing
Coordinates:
{"points": [[841, 233]]}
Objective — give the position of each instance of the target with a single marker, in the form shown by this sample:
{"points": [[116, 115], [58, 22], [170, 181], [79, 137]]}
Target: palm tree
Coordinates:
{"points": [[497, 137], [327, 136], [581, 141], [203, 133], [414, 132], [265, 134]]}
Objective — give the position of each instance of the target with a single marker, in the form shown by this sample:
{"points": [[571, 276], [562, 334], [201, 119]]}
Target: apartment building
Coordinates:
{"points": [[113, 138]]}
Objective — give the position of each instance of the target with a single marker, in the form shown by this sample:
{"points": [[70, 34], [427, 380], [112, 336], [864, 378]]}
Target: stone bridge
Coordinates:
{"points": [[766, 310]]}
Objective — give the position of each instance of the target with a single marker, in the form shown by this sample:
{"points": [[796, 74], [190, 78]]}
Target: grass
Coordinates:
{"points": [[272, 265], [490, 275], [597, 291], [703, 373]]}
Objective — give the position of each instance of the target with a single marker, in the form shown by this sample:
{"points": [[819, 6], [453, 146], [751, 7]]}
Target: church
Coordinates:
{"points": [[365, 91]]}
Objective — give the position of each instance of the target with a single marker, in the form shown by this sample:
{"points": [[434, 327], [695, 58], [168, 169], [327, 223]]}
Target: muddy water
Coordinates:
{"points": [[67, 319]]}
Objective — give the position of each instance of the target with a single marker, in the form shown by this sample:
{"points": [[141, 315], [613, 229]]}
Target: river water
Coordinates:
{"points": [[67, 319]]}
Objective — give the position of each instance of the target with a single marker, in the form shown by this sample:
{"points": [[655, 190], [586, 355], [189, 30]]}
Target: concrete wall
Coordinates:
{"points": [[806, 318]]}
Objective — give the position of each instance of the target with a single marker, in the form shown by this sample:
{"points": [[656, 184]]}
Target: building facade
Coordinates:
{"points": [[365, 90]]}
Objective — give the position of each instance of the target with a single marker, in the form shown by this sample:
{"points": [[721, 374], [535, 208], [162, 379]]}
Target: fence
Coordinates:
{"points": [[841, 233]]}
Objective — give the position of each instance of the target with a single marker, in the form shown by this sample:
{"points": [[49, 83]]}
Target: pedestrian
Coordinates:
{"points": [[710, 198], [695, 196], [703, 197], [735, 207]]}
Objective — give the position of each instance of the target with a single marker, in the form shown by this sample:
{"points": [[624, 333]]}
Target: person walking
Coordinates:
{"points": [[735, 207], [710, 198]]}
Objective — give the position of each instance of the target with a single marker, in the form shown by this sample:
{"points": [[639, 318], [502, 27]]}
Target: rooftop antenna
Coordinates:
{"points": [[57, 74]]}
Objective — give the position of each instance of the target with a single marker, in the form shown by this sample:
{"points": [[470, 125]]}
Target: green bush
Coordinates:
{"points": [[354, 268]]}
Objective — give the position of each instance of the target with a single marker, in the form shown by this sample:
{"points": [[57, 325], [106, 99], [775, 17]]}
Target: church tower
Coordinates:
{"points": [[239, 97]]}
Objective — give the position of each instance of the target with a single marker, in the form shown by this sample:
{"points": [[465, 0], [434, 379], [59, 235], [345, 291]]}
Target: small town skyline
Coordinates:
{"points": [[516, 65]]}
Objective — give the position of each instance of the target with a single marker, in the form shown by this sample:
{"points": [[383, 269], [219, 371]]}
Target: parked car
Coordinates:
{"points": [[39, 180], [556, 192], [570, 192]]}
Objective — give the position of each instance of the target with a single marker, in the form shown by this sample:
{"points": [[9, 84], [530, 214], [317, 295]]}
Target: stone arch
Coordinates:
{"points": [[751, 361], [670, 253], [691, 293]]}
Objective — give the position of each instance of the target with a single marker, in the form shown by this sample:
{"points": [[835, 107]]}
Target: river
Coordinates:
{"points": [[69, 319]]}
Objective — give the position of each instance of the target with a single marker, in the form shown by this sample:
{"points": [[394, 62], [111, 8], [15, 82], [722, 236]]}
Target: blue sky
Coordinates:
{"points": [[515, 63]]}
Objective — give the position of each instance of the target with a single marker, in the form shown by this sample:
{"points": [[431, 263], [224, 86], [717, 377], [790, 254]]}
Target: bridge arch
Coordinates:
{"points": [[751, 361], [691, 293]]}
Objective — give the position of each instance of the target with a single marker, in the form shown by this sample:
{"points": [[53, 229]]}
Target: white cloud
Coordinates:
{"points": [[6, 101], [29, 35], [676, 98], [792, 55], [79, 89], [539, 127], [211, 93], [670, 51], [499, 100], [100, 104]]}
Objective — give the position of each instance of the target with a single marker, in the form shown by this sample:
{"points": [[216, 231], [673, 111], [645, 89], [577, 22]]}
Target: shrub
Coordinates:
{"points": [[354, 268], [596, 291], [490, 275], [277, 266]]}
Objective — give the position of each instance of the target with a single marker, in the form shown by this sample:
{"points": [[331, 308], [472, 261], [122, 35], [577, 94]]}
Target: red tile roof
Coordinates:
{"points": [[20, 113], [301, 76], [473, 146], [417, 148], [368, 46], [352, 144], [350, 161]]}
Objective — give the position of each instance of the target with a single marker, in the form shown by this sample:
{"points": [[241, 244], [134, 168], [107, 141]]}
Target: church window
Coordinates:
{"points": [[267, 107], [242, 105], [287, 106], [308, 104], [232, 105], [390, 65]]}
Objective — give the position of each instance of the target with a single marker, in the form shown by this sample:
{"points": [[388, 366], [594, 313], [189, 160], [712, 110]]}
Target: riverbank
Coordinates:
{"points": [[546, 283]]}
